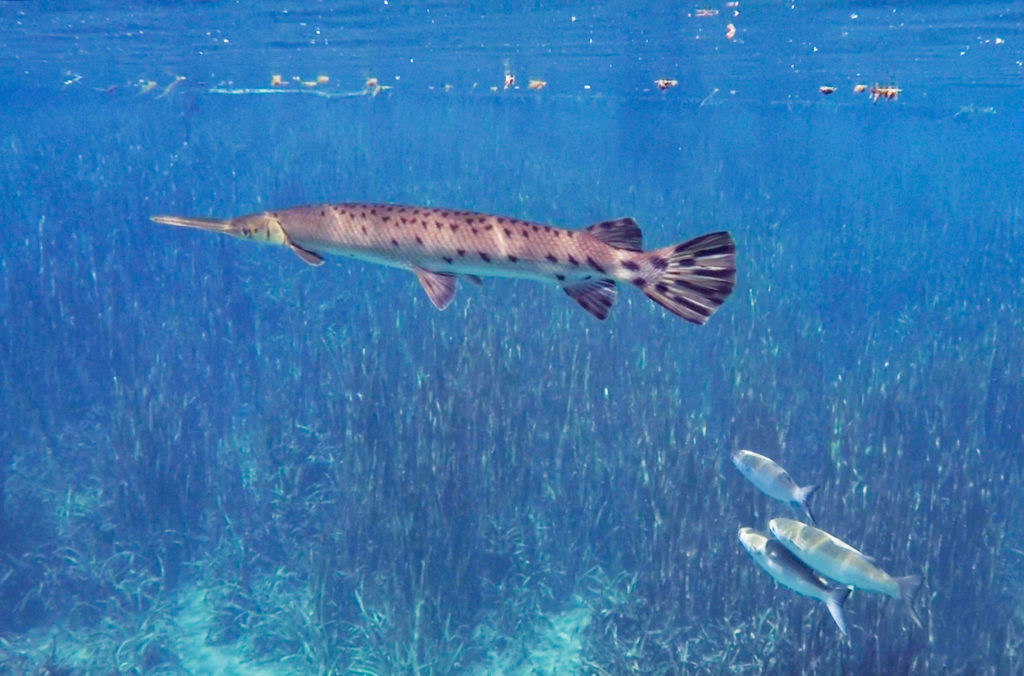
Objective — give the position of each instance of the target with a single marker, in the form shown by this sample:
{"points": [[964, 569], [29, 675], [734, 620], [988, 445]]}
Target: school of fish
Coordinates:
{"points": [[806, 559]]}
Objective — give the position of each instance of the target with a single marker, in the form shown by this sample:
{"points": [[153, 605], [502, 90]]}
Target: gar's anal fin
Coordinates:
{"points": [[594, 295]]}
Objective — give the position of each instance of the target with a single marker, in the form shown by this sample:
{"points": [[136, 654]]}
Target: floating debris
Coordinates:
{"points": [[972, 110], [510, 78], [322, 79], [730, 31], [276, 80], [859, 88], [705, 13], [169, 88], [664, 84], [246, 91], [826, 90], [538, 84], [889, 93], [146, 86]]}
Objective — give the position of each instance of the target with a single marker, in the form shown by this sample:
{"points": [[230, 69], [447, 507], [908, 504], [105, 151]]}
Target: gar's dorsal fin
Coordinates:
{"points": [[622, 233]]}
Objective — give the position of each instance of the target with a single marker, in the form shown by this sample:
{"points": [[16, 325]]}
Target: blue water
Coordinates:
{"points": [[215, 459]]}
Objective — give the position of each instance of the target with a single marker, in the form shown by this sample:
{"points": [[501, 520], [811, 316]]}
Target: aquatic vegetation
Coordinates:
{"points": [[214, 457]]}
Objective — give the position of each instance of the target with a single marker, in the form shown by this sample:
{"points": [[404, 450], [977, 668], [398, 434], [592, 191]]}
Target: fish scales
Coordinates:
{"points": [[690, 279], [769, 477], [459, 242], [842, 562], [791, 572]]}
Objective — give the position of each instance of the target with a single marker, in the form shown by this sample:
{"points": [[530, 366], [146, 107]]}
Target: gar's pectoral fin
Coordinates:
{"points": [[440, 286], [307, 256]]}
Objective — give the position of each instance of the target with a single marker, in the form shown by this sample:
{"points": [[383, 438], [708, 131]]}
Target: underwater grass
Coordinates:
{"points": [[355, 484]]}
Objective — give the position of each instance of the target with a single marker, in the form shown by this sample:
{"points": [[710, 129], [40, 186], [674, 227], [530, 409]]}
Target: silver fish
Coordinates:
{"points": [[769, 477], [690, 279], [843, 563], [793, 573]]}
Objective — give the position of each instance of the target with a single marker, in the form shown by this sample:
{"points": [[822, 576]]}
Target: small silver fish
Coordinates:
{"points": [[843, 563], [793, 573], [690, 279], [775, 482]]}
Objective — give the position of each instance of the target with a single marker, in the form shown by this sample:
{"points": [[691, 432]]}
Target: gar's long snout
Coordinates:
{"points": [[209, 224]]}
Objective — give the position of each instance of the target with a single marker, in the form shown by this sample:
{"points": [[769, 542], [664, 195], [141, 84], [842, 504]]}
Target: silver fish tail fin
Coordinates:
{"points": [[834, 603], [693, 278], [803, 497], [908, 587]]}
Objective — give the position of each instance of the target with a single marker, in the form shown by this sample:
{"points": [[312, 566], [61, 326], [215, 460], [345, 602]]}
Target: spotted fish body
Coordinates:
{"points": [[690, 279]]}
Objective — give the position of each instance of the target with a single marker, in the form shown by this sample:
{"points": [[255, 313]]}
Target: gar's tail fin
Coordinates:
{"points": [[834, 602], [908, 587], [693, 278]]}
